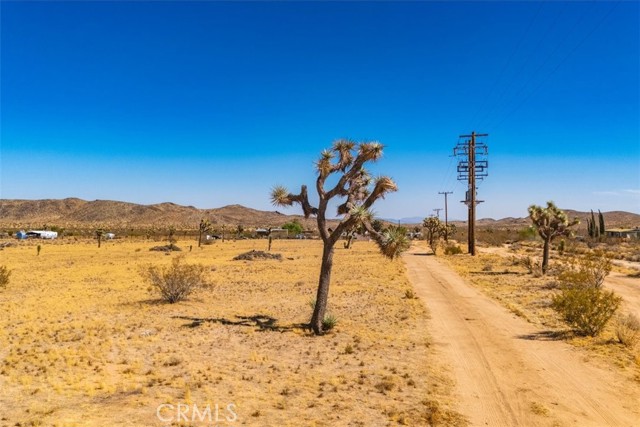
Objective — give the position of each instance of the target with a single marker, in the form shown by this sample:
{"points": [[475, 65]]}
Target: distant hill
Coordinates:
{"points": [[613, 219], [74, 212]]}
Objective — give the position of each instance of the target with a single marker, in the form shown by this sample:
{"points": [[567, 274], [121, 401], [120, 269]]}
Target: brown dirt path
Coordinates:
{"points": [[509, 373]]}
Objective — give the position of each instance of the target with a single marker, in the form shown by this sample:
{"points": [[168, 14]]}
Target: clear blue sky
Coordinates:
{"points": [[212, 103]]}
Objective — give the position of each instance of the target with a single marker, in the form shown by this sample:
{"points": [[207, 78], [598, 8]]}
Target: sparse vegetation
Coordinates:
{"points": [[5, 274], [628, 330], [98, 340], [177, 282]]}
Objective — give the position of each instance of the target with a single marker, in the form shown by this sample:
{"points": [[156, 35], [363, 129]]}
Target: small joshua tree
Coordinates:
{"points": [[435, 229], [99, 234], [358, 191], [550, 222], [203, 228]]}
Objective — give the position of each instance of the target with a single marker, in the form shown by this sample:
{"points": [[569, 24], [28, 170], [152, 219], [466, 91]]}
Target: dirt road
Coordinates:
{"points": [[507, 372]]}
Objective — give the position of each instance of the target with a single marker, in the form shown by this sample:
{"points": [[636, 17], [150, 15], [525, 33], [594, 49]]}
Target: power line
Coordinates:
{"points": [[473, 165], [507, 88], [506, 64], [567, 56]]}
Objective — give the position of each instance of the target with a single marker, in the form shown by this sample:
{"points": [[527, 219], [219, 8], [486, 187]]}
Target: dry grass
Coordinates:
{"points": [[506, 279], [84, 342]]}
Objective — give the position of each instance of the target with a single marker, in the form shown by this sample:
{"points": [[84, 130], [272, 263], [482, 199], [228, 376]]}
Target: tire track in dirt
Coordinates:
{"points": [[508, 373]]}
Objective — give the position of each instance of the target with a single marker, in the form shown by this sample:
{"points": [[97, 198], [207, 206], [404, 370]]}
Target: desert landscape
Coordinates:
{"points": [[424, 339], [319, 213]]}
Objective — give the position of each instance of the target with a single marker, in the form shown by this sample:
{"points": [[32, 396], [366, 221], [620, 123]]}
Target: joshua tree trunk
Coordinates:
{"points": [[349, 242], [323, 289], [199, 238], [545, 256]]}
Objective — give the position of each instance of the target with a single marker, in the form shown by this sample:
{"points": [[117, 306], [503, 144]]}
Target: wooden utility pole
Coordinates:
{"points": [[446, 215], [470, 170], [437, 211]]}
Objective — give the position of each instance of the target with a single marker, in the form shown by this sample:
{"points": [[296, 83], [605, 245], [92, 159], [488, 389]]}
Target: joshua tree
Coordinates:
{"points": [[601, 220], [99, 234], [203, 228], [358, 191], [240, 230], [435, 229], [550, 222], [171, 235]]}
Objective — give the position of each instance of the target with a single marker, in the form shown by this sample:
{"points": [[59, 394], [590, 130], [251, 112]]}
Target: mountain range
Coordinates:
{"points": [[74, 212]]}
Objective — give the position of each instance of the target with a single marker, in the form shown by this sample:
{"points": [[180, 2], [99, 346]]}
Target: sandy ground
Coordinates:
{"points": [[508, 372]]}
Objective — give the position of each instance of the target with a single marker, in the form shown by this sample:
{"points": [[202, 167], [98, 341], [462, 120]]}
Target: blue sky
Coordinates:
{"points": [[213, 103]]}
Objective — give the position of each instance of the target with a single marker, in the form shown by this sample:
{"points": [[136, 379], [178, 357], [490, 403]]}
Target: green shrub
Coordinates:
{"points": [[5, 273], [628, 330], [586, 309], [329, 322], [176, 282]]}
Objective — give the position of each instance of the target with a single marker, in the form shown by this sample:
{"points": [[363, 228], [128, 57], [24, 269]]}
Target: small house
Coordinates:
{"points": [[624, 233], [42, 234]]}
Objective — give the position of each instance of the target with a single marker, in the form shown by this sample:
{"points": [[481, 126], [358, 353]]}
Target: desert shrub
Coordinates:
{"points": [[586, 309], [177, 281], [528, 233], [166, 248], [533, 266], [628, 330], [589, 270], [5, 273], [410, 294], [329, 322], [253, 254], [452, 249], [487, 268]]}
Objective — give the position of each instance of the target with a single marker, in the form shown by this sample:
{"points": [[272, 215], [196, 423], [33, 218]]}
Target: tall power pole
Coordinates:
{"points": [[472, 165], [446, 215]]}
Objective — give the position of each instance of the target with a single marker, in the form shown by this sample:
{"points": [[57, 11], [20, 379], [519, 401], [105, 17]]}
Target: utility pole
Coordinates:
{"points": [[446, 215], [470, 168], [437, 211]]}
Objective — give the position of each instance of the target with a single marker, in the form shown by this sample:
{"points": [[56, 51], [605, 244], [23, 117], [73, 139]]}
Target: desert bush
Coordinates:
{"points": [[5, 273], [253, 255], [177, 281], [166, 248], [329, 322], [589, 270], [533, 266], [628, 330], [452, 249], [410, 294], [586, 309]]}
